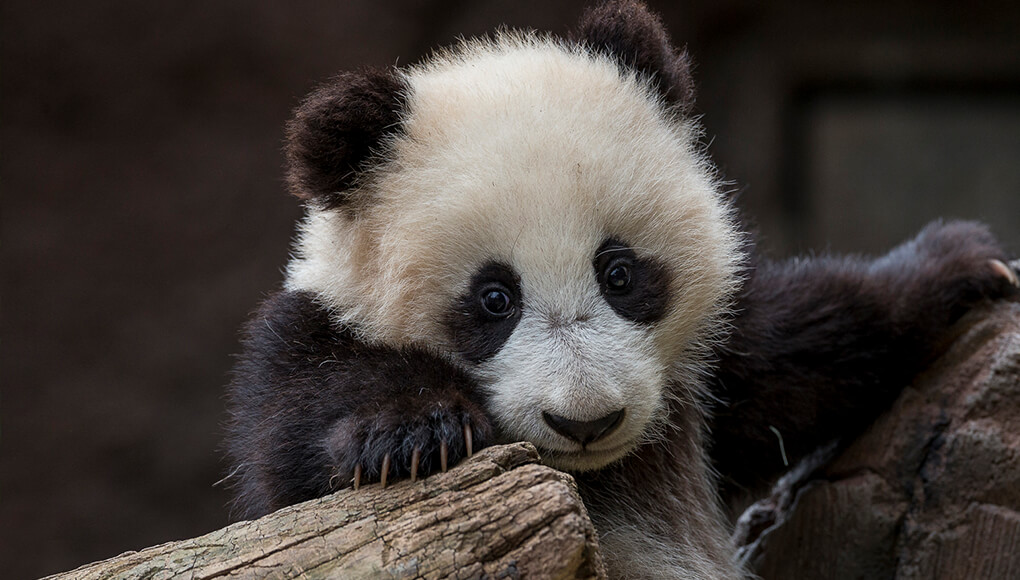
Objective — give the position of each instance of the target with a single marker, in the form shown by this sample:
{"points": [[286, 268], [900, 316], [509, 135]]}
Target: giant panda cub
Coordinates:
{"points": [[521, 239]]}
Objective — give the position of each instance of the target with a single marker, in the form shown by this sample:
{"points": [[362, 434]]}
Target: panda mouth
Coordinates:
{"points": [[584, 459]]}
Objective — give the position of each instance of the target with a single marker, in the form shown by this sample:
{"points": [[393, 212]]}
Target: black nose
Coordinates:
{"points": [[584, 432]]}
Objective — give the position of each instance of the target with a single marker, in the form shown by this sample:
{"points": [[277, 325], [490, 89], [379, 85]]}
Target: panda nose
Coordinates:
{"points": [[584, 432]]}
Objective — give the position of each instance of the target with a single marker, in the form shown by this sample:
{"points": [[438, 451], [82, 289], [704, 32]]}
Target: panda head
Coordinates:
{"points": [[535, 210]]}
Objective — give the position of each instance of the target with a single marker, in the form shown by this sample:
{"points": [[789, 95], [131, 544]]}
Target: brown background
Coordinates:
{"points": [[144, 214]]}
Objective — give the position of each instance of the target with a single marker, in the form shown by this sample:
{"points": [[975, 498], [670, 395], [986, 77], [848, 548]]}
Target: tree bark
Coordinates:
{"points": [[931, 490], [497, 515]]}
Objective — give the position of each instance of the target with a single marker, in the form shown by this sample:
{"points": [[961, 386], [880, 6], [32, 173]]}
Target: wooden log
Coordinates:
{"points": [[931, 490], [497, 515]]}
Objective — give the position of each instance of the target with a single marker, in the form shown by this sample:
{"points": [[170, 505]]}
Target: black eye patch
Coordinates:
{"points": [[484, 317], [635, 288]]}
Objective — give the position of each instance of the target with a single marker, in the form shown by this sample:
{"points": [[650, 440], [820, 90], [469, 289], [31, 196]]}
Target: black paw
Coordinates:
{"points": [[955, 263], [408, 436]]}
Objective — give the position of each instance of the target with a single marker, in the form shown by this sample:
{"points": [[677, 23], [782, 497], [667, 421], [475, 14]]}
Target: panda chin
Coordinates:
{"points": [[584, 459]]}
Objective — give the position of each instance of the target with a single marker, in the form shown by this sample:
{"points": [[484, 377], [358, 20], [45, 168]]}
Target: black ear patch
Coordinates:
{"points": [[630, 33], [335, 131]]}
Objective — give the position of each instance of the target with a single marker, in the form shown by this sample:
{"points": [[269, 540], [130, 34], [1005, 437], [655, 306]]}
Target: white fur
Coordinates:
{"points": [[531, 152], [690, 545], [584, 370]]}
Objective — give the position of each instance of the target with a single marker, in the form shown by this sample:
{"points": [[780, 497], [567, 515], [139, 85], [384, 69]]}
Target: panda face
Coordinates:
{"points": [[569, 361], [545, 222]]}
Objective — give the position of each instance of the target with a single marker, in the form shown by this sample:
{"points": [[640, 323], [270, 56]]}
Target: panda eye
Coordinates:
{"points": [[618, 278], [482, 319], [635, 287], [496, 301]]}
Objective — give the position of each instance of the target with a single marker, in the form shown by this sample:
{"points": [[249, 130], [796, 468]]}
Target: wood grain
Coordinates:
{"points": [[497, 515]]}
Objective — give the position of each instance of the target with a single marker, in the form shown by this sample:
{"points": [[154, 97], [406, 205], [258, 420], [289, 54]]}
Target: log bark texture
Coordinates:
{"points": [[931, 490], [497, 515]]}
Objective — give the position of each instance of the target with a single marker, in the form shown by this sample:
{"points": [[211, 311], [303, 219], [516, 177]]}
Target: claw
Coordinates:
{"points": [[415, 457], [443, 455], [1008, 269], [357, 476], [1005, 271], [385, 470], [468, 442]]}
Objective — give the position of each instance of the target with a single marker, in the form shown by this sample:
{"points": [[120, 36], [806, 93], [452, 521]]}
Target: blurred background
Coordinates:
{"points": [[144, 214]]}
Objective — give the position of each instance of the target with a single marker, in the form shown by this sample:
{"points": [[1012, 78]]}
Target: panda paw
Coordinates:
{"points": [[962, 261], [1008, 271], [411, 436]]}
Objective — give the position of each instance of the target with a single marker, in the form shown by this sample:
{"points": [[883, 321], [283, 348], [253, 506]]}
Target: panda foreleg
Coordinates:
{"points": [[315, 409], [822, 344]]}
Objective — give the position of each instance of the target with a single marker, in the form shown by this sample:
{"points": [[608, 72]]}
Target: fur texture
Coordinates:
{"points": [[822, 344], [634, 37], [522, 235], [311, 402], [352, 114]]}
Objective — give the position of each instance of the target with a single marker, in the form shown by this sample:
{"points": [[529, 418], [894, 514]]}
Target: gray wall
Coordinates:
{"points": [[144, 215]]}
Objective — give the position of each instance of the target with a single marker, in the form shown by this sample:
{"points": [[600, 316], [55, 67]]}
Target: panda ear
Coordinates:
{"points": [[636, 38], [335, 131]]}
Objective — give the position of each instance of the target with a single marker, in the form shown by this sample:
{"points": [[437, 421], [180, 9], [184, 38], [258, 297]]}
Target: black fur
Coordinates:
{"points": [[821, 345], [647, 296], [635, 37], [477, 334], [336, 130], [309, 402]]}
